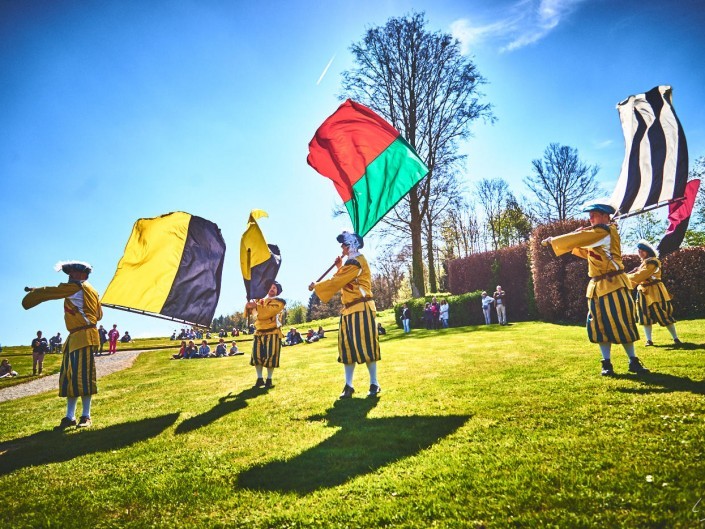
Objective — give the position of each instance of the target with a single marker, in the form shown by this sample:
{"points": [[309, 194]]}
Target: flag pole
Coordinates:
{"points": [[154, 315], [327, 271], [647, 209]]}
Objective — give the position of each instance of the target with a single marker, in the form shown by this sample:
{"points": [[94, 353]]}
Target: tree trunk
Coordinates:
{"points": [[432, 281], [418, 288]]}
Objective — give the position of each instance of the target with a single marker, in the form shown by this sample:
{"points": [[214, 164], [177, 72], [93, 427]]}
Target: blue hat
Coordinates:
{"points": [[73, 266], [602, 207], [350, 239], [646, 246]]}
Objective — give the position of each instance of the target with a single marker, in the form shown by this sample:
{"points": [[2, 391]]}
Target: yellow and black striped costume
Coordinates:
{"points": [[358, 342], [267, 344], [652, 298], [611, 308], [82, 310]]}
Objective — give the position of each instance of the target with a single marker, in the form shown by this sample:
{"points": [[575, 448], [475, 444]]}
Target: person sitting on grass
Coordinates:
{"points": [[311, 336], [191, 350], [6, 369], [126, 338], [221, 349], [204, 351], [321, 333], [182, 352], [234, 351], [381, 330]]}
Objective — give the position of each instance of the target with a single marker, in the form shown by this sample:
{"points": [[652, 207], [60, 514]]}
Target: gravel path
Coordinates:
{"points": [[104, 366]]}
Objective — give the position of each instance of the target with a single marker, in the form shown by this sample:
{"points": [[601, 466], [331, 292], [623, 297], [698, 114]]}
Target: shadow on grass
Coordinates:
{"points": [[360, 446], [55, 447], [662, 383], [226, 405]]}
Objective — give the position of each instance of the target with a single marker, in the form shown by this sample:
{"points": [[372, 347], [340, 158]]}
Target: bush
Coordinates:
{"points": [[464, 309], [684, 277]]}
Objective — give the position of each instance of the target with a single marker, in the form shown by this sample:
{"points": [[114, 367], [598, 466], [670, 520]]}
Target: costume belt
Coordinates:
{"points": [[608, 275], [267, 330], [649, 283], [83, 328], [355, 302]]}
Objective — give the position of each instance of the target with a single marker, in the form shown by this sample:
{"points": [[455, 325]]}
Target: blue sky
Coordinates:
{"points": [[112, 111]]}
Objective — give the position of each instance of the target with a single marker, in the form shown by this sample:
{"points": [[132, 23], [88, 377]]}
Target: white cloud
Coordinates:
{"points": [[602, 144], [524, 22]]}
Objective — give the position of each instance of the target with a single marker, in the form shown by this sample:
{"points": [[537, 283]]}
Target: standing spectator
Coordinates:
{"points": [[55, 343], [406, 318], [653, 302], [444, 313], [6, 369], [500, 304], [103, 335], [358, 343], [39, 348], [267, 343], [113, 336], [428, 316], [82, 310], [435, 313], [487, 302], [611, 308]]}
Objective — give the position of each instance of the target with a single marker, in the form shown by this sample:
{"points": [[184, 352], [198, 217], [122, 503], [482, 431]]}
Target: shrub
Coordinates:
{"points": [[464, 309]]}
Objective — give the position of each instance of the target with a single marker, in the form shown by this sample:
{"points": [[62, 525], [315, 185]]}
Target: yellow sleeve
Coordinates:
{"points": [[325, 290], [577, 239], [645, 271], [269, 310], [40, 295]]}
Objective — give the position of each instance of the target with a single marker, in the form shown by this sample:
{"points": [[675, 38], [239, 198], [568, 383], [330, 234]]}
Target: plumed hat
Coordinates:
{"points": [[351, 239], [73, 266], [645, 245]]}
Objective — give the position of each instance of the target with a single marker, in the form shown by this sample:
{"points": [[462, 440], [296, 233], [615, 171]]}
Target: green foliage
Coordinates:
{"points": [[480, 426], [295, 314]]}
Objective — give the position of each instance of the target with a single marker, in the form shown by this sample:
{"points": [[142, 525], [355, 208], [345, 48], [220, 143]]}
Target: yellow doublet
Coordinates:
{"points": [[81, 309], [268, 312], [649, 272], [354, 280], [600, 245]]}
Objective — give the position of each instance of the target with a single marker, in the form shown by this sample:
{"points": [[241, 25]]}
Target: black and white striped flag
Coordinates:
{"points": [[655, 167]]}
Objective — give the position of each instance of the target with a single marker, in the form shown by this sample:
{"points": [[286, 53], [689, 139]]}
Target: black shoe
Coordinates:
{"points": [[374, 390], [607, 370], [65, 423], [636, 367], [259, 383], [268, 384], [676, 341], [84, 422], [649, 343], [347, 392]]}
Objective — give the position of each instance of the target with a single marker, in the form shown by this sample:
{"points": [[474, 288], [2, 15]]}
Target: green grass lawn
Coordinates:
{"points": [[476, 427]]}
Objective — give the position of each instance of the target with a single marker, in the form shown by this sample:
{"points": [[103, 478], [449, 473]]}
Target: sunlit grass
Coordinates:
{"points": [[476, 427]]}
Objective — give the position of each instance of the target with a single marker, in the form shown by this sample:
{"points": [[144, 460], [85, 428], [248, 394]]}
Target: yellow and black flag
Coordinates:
{"points": [[171, 269], [259, 261]]}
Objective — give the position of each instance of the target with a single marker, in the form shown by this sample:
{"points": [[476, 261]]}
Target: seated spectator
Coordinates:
{"points": [[6, 369], [252, 328], [236, 332], [55, 343], [381, 330], [208, 335], [221, 349], [204, 351], [293, 337], [126, 338], [234, 351], [173, 335], [321, 333], [191, 350], [182, 352], [233, 333], [311, 336]]}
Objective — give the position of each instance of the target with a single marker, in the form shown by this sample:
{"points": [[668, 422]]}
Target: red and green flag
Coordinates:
{"points": [[367, 159]]}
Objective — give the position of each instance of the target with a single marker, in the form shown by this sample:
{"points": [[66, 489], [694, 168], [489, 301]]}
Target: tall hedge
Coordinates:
{"points": [[464, 309], [684, 277], [508, 267]]}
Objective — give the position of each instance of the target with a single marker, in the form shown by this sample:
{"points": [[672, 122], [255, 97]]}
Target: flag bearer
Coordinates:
{"points": [[267, 343], [611, 309], [653, 302], [358, 342], [82, 310]]}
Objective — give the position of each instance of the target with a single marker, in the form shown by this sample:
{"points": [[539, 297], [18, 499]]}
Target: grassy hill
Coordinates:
{"points": [[475, 427]]}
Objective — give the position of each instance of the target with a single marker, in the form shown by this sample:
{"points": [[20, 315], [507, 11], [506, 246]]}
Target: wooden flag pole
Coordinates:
{"points": [[327, 271]]}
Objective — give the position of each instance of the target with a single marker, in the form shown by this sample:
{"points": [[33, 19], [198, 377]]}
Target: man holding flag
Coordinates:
{"points": [[358, 342]]}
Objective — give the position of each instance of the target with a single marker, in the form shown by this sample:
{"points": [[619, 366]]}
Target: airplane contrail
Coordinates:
{"points": [[325, 70]]}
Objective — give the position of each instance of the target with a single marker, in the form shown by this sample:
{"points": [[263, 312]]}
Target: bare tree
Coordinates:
{"points": [[493, 194], [420, 82], [561, 183]]}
